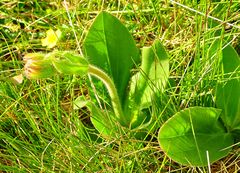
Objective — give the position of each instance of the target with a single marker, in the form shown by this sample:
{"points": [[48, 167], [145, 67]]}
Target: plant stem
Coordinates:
{"points": [[109, 84]]}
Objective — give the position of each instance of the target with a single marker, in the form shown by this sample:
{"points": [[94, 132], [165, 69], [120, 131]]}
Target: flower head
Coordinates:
{"points": [[37, 66], [52, 38]]}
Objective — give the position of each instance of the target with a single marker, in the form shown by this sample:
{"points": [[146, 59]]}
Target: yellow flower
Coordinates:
{"points": [[52, 38]]}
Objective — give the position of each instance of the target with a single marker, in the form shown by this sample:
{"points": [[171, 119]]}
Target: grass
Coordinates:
{"points": [[39, 129]]}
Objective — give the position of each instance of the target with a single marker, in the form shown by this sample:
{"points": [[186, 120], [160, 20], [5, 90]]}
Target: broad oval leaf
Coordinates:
{"points": [[228, 91], [110, 46], [193, 135]]}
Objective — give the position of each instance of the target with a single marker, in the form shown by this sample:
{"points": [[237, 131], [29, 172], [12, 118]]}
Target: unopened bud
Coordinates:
{"points": [[37, 66]]}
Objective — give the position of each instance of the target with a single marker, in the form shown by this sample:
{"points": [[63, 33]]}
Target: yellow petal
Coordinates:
{"points": [[52, 38]]}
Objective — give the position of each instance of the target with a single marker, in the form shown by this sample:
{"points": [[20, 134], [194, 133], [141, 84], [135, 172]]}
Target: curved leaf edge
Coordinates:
{"points": [[190, 162]]}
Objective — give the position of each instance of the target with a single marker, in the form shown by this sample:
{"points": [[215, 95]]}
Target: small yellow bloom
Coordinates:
{"points": [[52, 38]]}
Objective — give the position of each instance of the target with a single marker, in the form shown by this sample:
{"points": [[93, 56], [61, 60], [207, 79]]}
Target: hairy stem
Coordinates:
{"points": [[101, 75]]}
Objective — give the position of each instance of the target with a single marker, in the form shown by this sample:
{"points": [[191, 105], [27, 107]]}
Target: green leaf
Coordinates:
{"points": [[153, 74], [103, 121], [110, 46], [228, 91], [151, 78], [80, 102], [193, 135]]}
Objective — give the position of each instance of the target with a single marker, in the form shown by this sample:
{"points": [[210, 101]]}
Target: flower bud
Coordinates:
{"points": [[37, 66]]}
